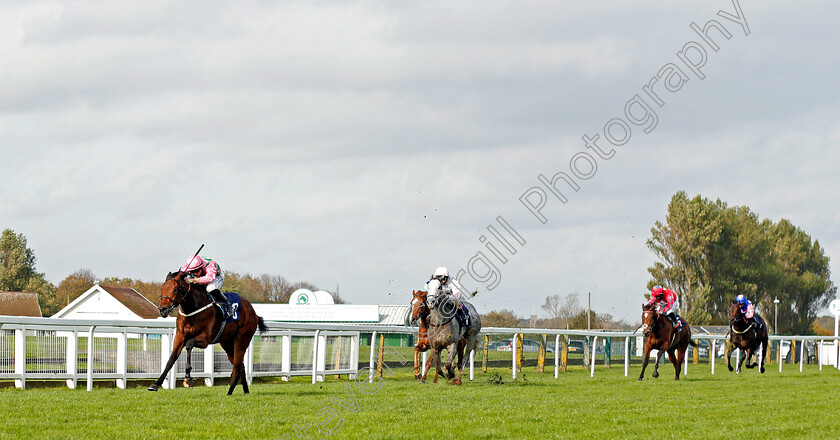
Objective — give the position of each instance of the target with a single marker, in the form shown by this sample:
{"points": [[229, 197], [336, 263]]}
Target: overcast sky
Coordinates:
{"points": [[362, 144]]}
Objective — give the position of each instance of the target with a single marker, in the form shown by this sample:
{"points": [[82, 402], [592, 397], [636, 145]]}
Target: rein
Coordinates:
{"points": [[732, 328]]}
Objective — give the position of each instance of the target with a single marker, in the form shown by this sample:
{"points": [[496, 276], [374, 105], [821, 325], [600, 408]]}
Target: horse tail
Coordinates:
{"points": [[692, 342], [261, 325]]}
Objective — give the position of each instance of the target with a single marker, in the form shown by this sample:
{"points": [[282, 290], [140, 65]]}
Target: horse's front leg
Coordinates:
{"points": [[462, 344], [645, 360], [451, 352], [417, 362], [438, 371], [177, 346], [188, 380], [728, 351]]}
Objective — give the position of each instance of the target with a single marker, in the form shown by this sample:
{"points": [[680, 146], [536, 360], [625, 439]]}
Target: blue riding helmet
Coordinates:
{"points": [[741, 299]]}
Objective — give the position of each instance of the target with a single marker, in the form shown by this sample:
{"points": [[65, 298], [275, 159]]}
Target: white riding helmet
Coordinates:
{"points": [[441, 272]]}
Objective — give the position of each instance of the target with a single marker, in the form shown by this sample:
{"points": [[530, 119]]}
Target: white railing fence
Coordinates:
{"points": [[74, 350]]}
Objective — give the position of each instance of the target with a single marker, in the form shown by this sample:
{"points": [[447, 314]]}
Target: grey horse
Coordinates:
{"points": [[445, 332]]}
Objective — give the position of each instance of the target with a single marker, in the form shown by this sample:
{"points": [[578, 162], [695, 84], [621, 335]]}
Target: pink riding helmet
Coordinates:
{"points": [[194, 263]]}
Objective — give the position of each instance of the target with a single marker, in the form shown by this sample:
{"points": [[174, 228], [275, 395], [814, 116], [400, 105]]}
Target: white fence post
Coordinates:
{"points": [[780, 356], [90, 358], [423, 367], [685, 363], [513, 351], [760, 356], [801, 354], [737, 360], [209, 365], [372, 351], [322, 356], [20, 358], [592, 360], [626, 355], [713, 354], [286, 356], [820, 354], [315, 341], [122, 365], [72, 358], [557, 356], [165, 349], [472, 360], [249, 362]]}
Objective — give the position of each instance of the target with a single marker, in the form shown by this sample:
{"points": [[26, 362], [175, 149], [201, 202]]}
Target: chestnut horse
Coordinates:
{"points": [[746, 336], [199, 324], [659, 334]]}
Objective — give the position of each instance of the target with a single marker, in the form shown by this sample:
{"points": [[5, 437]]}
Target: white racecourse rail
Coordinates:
{"points": [[73, 350]]}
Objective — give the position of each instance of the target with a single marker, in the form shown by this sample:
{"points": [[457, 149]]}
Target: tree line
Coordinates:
{"points": [[709, 252], [18, 274]]}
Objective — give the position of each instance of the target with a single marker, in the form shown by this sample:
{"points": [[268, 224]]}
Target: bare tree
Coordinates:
{"points": [[561, 310]]}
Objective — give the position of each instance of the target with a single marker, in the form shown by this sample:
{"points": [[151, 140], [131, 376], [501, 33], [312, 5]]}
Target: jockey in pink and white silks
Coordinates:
{"points": [[669, 297], [207, 272], [440, 282]]}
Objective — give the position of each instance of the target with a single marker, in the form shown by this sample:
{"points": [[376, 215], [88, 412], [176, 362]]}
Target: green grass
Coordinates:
{"points": [[724, 405]]}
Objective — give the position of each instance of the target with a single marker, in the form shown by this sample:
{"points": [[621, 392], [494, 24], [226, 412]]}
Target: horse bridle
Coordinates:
{"points": [[422, 302], [180, 291]]}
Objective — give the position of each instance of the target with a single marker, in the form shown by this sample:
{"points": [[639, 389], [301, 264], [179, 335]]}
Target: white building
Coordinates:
{"points": [[110, 303]]}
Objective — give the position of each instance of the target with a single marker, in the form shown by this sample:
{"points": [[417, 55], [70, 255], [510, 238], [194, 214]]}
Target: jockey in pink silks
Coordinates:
{"points": [[669, 297], [747, 308], [207, 272]]}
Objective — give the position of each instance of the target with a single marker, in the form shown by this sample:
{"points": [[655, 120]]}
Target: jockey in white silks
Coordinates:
{"points": [[441, 283]]}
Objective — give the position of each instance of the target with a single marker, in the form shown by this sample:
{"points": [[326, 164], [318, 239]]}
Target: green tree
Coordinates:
{"points": [[17, 267], [17, 262], [710, 252]]}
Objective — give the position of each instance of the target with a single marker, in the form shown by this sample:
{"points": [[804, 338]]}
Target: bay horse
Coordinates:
{"points": [[659, 334], [746, 336], [200, 323]]}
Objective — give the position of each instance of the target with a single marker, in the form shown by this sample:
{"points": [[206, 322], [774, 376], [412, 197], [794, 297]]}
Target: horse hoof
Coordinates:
{"points": [[762, 370], [456, 382], [731, 369], [423, 381], [417, 376], [677, 378], [655, 375], [434, 380], [188, 383], [153, 387], [640, 378]]}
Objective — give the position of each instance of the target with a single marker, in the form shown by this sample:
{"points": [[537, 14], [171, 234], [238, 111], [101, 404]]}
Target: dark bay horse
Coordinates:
{"points": [[746, 336], [659, 334], [199, 323]]}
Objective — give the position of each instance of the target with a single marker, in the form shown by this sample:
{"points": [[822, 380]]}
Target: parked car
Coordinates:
{"points": [[528, 346]]}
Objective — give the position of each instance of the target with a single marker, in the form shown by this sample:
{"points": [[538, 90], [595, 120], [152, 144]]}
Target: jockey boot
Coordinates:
{"points": [[675, 321], [218, 297], [463, 315]]}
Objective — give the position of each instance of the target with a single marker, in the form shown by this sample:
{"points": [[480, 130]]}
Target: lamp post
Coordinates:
{"points": [[776, 318]]}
